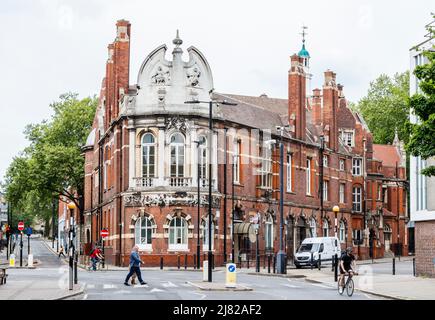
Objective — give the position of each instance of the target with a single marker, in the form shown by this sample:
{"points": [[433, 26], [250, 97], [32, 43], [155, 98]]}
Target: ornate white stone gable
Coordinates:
{"points": [[166, 85]]}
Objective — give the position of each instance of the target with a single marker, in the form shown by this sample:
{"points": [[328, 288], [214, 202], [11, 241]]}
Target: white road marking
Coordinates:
{"points": [[121, 292], [157, 290], [169, 284], [290, 285], [321, 285], [200, 294], [85, 296], [109, 286]]}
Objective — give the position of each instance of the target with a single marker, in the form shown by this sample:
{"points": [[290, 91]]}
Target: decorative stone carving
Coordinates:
{"points": [[193, 76], [141, 200], [161, 76], [178, 123]]}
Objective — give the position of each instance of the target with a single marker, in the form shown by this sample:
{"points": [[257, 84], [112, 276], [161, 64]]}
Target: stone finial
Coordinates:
{"points": [[177, 41]]}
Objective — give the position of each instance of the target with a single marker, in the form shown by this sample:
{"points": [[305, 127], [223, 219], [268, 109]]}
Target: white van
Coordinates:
{"points": [[325, 247]]}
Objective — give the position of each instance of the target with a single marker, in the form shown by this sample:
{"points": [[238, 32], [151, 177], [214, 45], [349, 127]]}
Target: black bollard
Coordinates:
{"points": [[274, 264], [336, 268], [413, 266], [194, 261], [247, 257], [161, 263], [312, 262], [75, 267], [394, 266], [268, 263], [212, 262], [319, 264], [185, 261], [178, 262]]}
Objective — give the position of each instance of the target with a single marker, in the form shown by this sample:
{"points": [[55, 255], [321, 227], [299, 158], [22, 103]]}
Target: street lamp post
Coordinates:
{"points": [[281, 256], [210, 127], [71, 207], [336, 210], [198, 246]]}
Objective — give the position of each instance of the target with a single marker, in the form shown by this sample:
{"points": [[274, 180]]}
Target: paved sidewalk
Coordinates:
{"points": [[402, 287]]}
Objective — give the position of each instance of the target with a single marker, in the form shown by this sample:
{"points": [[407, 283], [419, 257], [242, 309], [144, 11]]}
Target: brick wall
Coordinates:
{"points": [[425, 248]]}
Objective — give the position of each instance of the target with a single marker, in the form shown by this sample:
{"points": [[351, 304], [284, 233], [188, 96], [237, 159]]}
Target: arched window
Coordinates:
{"points": [[205, 235], [143, 231], [268, 233], [342, 233], [313, 228], [177, 155], [325, 228], [148, 156], [178, 233], [203, 168]]}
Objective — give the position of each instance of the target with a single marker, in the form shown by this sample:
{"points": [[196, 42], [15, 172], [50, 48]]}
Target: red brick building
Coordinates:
{"points": [[143, 162]]}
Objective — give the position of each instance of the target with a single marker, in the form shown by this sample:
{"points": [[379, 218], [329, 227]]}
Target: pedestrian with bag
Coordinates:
{"points": [[135, 262]]}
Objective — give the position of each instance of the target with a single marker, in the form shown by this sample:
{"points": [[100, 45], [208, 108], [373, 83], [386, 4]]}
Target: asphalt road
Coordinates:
{"points": [[175, 285]]}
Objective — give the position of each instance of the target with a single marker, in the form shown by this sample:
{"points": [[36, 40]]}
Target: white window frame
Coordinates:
{"points": [[183, 228], [325, 226], [146, 146], [342, 232], [308, 177], [236, 160], [266, 167], [325, 161], [342, 193], [178, 154], [357, 166], [289, 172], [203, 159], [325, 190], [268, 233], [348, 137], [313, 227], [138, 233], [205, 235], [342, 164], [356, 198]]}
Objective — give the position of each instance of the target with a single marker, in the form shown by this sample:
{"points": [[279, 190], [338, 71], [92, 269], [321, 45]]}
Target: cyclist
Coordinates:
{"points": [[96, 256], [347, 266]]}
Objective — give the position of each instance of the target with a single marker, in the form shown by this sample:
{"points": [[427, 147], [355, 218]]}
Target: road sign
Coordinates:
{"points": [[21, 225], [28, 231], [104, 233], [230, 275]]}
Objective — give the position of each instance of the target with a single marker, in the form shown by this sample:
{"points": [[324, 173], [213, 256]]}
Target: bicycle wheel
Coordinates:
{"points": [[339, 287], [350, 287]]}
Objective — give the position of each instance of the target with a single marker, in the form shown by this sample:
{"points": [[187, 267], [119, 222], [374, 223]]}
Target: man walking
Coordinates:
{"points": [[135, 262]]}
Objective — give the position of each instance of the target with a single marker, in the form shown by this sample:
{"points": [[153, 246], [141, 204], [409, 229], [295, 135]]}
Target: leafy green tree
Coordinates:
{"points": [[422, 134], [385, 107], [52, 165]]}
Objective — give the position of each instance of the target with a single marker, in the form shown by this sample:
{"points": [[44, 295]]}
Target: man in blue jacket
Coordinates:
{"points": [[135, 262]]}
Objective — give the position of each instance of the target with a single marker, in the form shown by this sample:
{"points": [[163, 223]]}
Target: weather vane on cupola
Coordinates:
{"points": [[303, 53]]}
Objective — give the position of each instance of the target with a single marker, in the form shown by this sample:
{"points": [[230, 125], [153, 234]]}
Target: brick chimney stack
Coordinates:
{"points": [[317, 107], [329, 112], [117, 69], [297, 97]]}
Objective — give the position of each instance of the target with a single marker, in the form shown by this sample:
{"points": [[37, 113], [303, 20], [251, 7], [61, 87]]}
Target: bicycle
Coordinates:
{"points": [[348, 284]]}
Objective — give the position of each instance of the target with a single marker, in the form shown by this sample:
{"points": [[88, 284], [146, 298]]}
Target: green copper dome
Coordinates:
{"points": [[303, 53]]}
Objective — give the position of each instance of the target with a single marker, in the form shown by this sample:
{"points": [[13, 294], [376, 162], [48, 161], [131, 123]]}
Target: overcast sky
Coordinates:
{"points": [[48, 47]]}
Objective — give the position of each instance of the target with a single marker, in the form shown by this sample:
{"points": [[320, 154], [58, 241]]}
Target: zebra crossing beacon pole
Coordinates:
{"points": [[71, 206]]}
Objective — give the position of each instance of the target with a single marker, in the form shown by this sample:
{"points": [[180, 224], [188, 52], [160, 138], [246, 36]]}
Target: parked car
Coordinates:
{"points": [[311, 249]]}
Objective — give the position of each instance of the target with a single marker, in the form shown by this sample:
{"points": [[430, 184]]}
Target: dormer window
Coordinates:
{"points": [[347, 136]]}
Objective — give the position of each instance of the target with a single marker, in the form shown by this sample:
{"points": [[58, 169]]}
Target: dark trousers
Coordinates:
{"points": [[134, 270]]}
